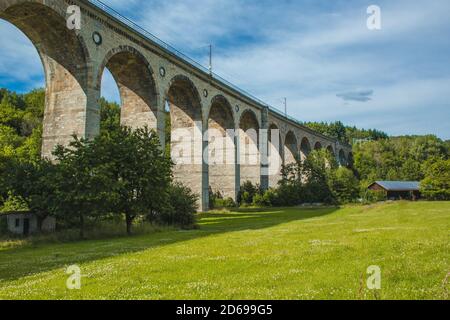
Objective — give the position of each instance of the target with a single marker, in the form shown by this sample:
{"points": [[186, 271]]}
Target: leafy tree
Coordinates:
{"points": [[344, 185], [83, 183], [436, 185], [109, 116], [33, 183], [139, 170], [10, 141], [317, 169]]}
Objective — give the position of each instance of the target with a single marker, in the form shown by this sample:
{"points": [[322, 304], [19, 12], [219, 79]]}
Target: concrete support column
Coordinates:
{"points": [[161, 120], [71, 106], [237, 176], [263, 149], [204, 206]]}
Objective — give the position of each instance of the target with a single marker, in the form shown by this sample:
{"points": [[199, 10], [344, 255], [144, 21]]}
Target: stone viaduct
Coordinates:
{"points": [[151, 75]]}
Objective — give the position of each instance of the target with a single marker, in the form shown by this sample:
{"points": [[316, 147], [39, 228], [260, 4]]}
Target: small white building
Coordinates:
{"points": [[25, 223]]}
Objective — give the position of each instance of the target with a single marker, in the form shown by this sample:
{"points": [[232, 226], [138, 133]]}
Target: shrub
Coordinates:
{"points": [[223, 203], [288, 195], [270, 197], [216, 200], [182, 207], [267, 199], [372, 196], [258, 200], [247, 193]]}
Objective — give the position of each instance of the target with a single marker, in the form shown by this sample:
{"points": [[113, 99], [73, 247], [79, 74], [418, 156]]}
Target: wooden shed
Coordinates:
{"points": [[398, 190]]}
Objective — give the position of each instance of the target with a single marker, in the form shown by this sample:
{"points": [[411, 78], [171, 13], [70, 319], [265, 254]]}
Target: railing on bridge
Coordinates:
{"points": [[152, 38]]}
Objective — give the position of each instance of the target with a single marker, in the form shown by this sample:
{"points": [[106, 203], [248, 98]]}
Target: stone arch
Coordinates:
{"points": [[305, 148], [186, 143], [221, 148], [342, 158], [330, 150], [137, 87], [317, 146], [275, 153], [350, 160], [290, 148], [249, 157], [70, 108]]}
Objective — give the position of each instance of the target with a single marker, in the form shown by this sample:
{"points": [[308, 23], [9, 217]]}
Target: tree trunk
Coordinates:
{"points": [[129, 220], [81, 226], [40, 221]]}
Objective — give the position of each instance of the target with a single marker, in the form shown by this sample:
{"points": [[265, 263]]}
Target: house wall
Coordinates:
{"points": [[48, 225]]}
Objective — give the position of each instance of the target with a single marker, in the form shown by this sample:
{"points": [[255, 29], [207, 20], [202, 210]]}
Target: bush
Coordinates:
{"points": [[223, 203], [289, 195], [258, 200], [247, 192], [182, 207], [372, 196], [268, 199], [217, 201]]}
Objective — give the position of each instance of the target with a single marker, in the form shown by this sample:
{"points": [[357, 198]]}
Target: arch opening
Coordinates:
{"points": [[186, 137], [330, 150], [68, 107], [290, 148], [221, 149], [351, 160], [275, 153], [305, 148], [317, 146], [249, 157], [137, 90], [342, 158]]}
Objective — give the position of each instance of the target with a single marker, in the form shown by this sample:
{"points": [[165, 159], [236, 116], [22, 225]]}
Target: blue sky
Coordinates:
{"points": [[317, 53]]}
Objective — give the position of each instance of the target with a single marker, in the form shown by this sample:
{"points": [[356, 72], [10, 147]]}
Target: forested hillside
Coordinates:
{"points": [[380, 157]]}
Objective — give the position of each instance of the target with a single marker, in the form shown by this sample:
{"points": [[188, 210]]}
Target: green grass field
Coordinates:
{"points": [[294, 253]]}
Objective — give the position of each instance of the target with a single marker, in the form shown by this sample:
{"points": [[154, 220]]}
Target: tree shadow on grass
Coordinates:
{"points": [[16, 263]]}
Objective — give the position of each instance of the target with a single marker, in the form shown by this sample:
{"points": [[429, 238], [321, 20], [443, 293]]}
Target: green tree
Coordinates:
{"points": [[344, 185], [140, 172], [436, 185], [83, 183], [109, 116], [34, 184], [317, 169]]}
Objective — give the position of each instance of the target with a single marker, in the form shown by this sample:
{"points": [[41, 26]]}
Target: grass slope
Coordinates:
{"points": [[275, 254]]}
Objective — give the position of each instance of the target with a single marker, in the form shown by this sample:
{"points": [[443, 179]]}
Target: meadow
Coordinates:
{"points": [[278, 253]]}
